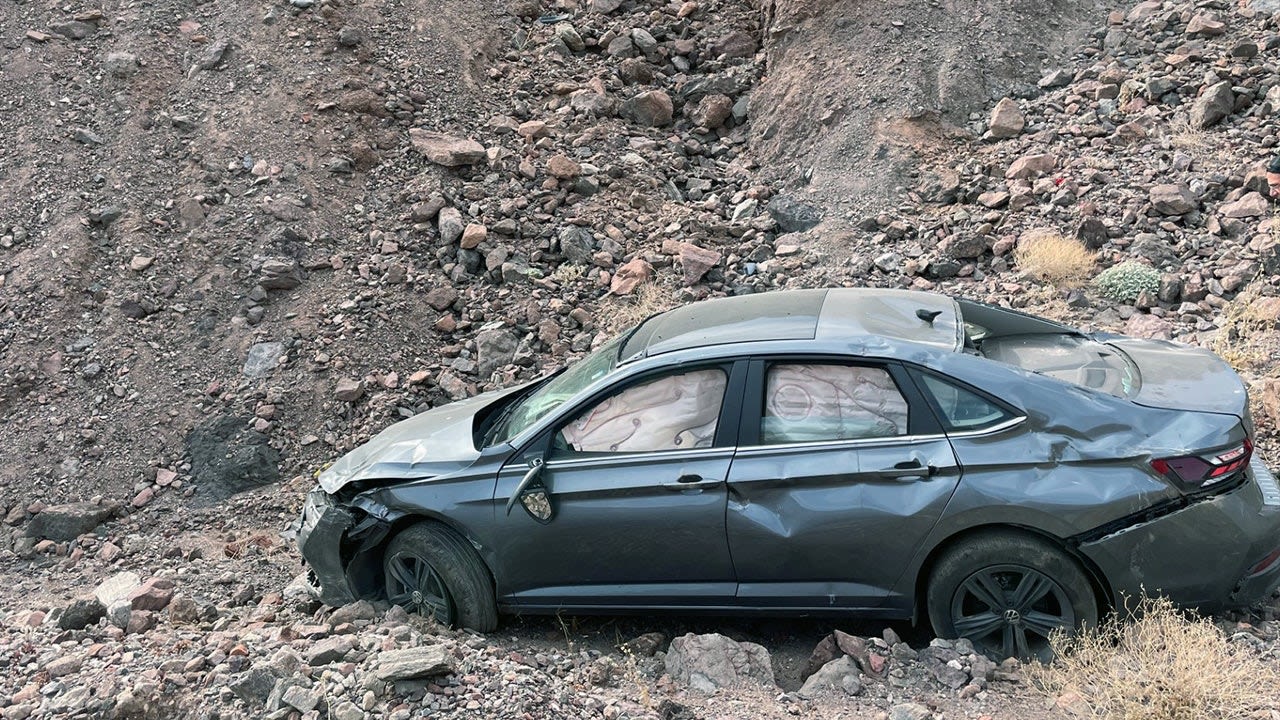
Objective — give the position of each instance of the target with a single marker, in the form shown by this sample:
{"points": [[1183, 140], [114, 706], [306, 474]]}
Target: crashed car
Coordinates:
{"points": [[853, 452]]}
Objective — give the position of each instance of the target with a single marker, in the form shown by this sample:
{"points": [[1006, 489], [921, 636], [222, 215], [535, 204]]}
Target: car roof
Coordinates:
{"points": [[832, 314]]}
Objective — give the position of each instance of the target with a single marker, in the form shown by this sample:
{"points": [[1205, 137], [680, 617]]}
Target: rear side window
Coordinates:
{"points": [[963, 409], [810, 402]]}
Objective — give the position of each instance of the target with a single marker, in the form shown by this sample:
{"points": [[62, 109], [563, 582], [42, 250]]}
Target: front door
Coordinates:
{"points": [[636, 486], [841, 474]]}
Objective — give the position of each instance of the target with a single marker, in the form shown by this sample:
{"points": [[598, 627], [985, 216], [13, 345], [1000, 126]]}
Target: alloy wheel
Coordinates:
{"points": [[1011, 611], [416, 586]]}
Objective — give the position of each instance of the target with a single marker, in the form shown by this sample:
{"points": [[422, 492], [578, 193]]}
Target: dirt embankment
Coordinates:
{"points": [[858, 94], [236, 239]]}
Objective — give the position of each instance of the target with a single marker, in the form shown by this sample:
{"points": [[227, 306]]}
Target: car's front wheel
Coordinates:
{"points": [[1008, 593], [431, 570]]}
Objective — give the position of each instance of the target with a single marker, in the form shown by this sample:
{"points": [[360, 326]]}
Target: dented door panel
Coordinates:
{"points": [[816, 525]]}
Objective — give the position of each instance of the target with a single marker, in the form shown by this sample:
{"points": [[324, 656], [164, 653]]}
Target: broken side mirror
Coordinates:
{"points": [[531, 488], [537, 502]]}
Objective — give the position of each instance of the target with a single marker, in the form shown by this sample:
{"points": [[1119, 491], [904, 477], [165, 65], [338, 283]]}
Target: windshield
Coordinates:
{"points": [[529, 410]]}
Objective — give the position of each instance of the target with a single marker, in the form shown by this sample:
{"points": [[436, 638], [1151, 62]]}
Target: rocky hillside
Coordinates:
{"points": [[238, 238]]}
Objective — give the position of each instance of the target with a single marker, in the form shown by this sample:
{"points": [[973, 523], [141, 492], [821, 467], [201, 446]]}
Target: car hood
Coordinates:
{"points": [[432, 443]]}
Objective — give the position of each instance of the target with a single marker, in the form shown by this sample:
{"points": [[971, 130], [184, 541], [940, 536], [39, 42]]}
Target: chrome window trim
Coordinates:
{"points": [[653, 456], [998, 427], [840, 444], [855, 443]]}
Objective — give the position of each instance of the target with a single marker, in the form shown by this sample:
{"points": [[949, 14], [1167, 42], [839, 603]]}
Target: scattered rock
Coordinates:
{"points": [[709, 662], [1031, 166], [410, 663], [446, 150], [1006, 119], [1170, 199], [1213, 105], [839, 677], [67, 522], [651, 108], [348, 390], [81, 613], [228, 456]]}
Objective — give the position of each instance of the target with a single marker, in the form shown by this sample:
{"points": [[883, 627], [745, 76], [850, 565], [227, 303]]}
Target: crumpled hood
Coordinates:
{"points": [[435, 442]]}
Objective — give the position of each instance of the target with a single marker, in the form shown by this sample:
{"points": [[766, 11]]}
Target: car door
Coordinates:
{"points": [[634, 481], [841, 472]]}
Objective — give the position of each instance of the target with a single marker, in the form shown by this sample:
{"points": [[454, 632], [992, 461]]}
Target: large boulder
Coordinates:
{"points": [[838, 677], [793, 215], [1169, 199], [228, 456], [81, 613], [652, 108], [1006, 119], [444, 149], [412, 663], [708, 662], [495, 348], [1213, 105], [67, 522]]}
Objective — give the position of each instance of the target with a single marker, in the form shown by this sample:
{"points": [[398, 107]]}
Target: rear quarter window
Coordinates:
{"points": [[960, 408]]}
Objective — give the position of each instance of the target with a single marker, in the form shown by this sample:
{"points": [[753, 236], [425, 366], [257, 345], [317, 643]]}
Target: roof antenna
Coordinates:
{"points": [[928, 315]]}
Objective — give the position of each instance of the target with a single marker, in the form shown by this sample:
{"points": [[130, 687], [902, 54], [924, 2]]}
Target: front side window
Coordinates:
{"points": [[963, 409], [557, 390], [808, 402], [674, 412]]}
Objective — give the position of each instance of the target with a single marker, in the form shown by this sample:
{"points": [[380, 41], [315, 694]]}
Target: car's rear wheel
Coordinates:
{"points": [[431, 570], [1008, 594]]}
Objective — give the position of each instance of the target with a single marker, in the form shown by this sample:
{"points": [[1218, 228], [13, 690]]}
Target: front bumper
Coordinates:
{"points": [[1205, 555], [322, 528]]}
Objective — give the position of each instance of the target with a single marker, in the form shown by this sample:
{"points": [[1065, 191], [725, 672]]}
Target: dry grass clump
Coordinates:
{"points": [[1245, 327], [1186, 136], [1054, 258], [621, 312], [1159, 664]]}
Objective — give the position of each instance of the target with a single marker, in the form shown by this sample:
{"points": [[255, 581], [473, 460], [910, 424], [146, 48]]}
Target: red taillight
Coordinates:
{"points": [[1197, 472], [1265, 564]]}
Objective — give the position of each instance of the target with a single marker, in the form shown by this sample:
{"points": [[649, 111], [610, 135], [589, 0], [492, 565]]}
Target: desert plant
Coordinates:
{"points": [[1159, 663], [1126, 281], [1244, 329], [1053, 258], [619, 313]]}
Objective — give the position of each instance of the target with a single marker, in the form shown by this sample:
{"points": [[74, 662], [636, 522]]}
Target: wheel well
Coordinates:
{"points": [[374, 580], [1096, 579]]}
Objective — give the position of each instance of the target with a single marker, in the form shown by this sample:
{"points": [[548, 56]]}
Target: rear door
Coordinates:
{"points": [[841, 473]]}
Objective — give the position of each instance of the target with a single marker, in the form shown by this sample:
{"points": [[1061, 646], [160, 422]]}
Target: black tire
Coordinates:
{"points": [[431, 570], [1007, 592]]}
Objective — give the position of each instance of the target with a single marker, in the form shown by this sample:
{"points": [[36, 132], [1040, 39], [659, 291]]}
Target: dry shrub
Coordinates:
{"points": [[1244, 329], [1186, 136], [1054, 258], [618, 313], [1158, 663]]}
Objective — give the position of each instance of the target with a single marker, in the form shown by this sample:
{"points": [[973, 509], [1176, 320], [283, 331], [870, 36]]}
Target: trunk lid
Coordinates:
{"points": [[1180, 377], [1152, 373]]}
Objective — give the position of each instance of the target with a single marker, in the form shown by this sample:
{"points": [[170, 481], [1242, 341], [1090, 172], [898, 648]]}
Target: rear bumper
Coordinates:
{"points": [[322, 528], [1207, 555]]}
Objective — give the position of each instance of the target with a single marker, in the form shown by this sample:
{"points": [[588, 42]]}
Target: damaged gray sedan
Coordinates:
{"points": [[844, 452]]}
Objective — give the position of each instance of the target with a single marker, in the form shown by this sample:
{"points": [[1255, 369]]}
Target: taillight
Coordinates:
{"points": [[1198, 472]]}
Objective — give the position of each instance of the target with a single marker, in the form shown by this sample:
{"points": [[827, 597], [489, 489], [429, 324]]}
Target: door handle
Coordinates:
{"points": [[908, 470], [692, 482]]}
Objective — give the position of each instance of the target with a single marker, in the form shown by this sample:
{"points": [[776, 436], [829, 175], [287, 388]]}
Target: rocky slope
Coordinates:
{"points": [[237, 239]]}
